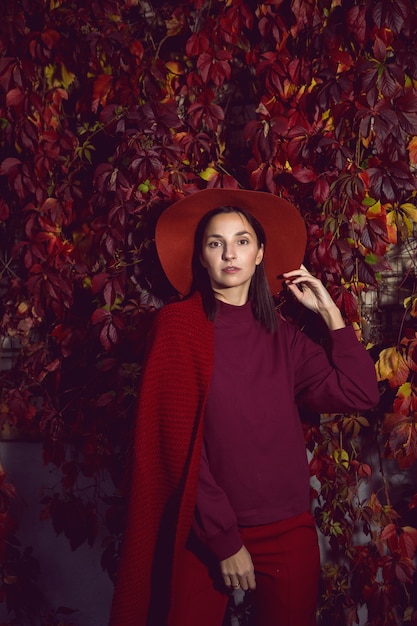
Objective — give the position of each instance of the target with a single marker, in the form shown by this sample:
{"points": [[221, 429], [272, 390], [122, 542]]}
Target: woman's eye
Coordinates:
{"points": [[215, 244], [243, 242]]}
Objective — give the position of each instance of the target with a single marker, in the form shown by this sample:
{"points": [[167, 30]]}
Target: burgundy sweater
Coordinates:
{"points": [[254, 467]]}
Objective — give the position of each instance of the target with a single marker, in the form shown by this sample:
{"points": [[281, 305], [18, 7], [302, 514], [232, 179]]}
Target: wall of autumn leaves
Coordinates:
{"points": [[111, 110]]}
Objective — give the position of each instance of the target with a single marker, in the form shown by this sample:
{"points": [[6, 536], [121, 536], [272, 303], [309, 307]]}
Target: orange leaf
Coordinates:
{"points": [[101, 90], [392, 366], [136, 48], [412, 149], [408, 541]]}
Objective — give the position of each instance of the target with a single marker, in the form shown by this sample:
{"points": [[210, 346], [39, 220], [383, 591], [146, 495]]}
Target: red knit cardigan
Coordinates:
{"points": [[167, 450]]}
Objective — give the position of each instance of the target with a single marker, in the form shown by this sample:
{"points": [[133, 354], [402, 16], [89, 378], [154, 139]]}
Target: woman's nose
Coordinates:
{"points": [[229, 252]]}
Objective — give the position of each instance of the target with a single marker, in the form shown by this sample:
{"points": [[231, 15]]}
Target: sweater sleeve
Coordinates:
{"points": [[215, 522], [343, 380]]}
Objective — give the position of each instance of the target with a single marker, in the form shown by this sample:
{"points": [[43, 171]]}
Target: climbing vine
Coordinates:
{"points": [[112, 110]]}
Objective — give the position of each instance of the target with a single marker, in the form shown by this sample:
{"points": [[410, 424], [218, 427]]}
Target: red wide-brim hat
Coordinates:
{"points": [[284, 229]]}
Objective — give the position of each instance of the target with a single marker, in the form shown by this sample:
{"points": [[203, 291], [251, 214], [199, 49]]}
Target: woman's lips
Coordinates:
{"points": [[231, 270]]}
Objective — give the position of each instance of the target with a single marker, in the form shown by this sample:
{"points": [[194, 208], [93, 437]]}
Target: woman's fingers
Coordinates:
{"points": [[238, 571], [312, 294], [245, 582]]}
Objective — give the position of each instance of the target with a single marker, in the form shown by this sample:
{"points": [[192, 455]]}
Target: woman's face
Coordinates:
{"points": [[230, 253]]}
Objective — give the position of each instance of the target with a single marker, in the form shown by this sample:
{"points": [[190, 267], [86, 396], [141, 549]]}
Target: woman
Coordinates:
{"points": [[220, 486]]}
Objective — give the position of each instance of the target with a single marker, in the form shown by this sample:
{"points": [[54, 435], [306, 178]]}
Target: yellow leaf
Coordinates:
{"points": [[410, 303], [49, 75], [208, 173], [400, 222], [341, 457], [410, 210], [67, 77], [174, 68], [405, 390]]}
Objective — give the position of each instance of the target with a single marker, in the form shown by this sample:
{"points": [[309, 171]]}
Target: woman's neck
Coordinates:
{"points": [[235, 297]]}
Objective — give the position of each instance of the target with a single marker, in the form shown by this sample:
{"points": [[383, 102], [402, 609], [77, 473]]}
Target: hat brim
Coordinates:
{"points": [[284, 229]]}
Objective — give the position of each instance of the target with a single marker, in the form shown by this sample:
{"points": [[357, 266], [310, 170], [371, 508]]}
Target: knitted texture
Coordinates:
{"points": [[167, 450]]}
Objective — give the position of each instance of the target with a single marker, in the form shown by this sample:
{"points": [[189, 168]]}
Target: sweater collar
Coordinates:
{"points": [[231, 315]]}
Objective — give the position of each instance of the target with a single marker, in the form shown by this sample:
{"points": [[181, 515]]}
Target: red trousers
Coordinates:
{"points": [[287, 566]]}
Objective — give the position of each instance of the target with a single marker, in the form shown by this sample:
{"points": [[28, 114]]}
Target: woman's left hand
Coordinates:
{"points": [[311, 293]]}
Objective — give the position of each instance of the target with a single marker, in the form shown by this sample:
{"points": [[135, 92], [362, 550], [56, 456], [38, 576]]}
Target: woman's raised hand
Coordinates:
{"points": [[311, 293]]}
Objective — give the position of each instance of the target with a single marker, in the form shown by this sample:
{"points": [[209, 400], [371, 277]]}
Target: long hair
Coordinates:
{"points": [[259, 294]]}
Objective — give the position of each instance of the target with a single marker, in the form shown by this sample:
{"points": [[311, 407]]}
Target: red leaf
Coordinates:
{"points": [[108, 335], [98, 282], [4, 210], [215, 66], [101, 316], [10, 166], [404, 570], [196, 44], [105, 398], [7, 65], [136, 48], [101, 90], [379, 48], [392, 15], [356, 21], [321, 190], [304, 174], [208, 113], [408, 541], [14, 97], [50, 38], [389, 532], [346, 302]]}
